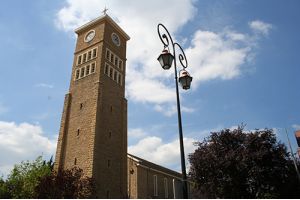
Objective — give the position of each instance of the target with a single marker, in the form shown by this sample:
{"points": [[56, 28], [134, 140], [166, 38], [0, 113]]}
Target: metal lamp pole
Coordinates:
{"points": [[165, 37]]}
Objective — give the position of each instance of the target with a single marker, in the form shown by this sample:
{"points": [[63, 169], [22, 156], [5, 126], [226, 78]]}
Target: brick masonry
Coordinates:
{"points": [[93, 132]]}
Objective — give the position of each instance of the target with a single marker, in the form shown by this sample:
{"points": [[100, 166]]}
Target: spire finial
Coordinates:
{"points": [[105, 10]]}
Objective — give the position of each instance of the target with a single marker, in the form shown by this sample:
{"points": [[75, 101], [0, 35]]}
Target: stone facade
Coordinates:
{"points": [[93, 131], [147, 180]]}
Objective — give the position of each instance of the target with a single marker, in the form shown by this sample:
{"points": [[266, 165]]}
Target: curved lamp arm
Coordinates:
{"points": [[181, 56], [166, 39]]}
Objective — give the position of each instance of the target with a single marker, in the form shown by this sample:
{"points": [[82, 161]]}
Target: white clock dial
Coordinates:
{"points": [[115, 38], [89, 36]]}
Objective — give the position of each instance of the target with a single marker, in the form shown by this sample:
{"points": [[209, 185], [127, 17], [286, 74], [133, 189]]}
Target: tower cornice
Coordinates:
{"points": [[99, 19]]}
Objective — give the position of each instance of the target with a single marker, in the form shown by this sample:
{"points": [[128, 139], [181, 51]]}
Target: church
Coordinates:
{"points": [[93, 130]]}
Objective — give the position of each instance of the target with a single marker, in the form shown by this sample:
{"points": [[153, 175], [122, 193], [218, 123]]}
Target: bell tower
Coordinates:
{"points": [[93, 131]]}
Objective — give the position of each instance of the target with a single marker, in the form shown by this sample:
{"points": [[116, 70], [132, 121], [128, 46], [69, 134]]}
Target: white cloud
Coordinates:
{"points": [[169, 110], [136, 133], [150, 91], [210, 55], [77, 12], [260, 27], [155, 150], [296, 126], [44, 85], [20, 142], [217, 55]]}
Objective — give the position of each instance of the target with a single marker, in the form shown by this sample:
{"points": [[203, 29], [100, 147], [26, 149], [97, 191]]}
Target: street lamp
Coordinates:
{"points": [[165, 59]]}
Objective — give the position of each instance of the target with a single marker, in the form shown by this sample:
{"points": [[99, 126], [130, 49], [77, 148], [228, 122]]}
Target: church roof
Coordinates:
{"points": [[153, 166], [101, 18]]}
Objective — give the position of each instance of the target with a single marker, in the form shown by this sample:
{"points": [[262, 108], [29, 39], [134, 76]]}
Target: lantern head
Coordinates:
{"points": [[185, 79], [165, 59]]}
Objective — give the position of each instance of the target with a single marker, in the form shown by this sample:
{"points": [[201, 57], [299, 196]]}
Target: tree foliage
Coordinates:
{"points": [[239, 164], [37, 179], [25, 177], [66, 184], [4, 192]]}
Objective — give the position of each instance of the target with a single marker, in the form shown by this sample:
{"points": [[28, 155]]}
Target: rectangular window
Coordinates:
{"points": [[87, 70], [89, 55], [94, 53], [112, 58], [155, 185], [115, 75], [79, 60], [116, 61], [93, 67], [110, 72], [82, 72], [119, 78], [106, 69], [166, 188], [84, 58], [107, 54], [77, 74], [120, 64]]}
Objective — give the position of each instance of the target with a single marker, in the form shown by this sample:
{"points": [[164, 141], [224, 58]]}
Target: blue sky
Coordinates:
{"points": [[243, 56]]}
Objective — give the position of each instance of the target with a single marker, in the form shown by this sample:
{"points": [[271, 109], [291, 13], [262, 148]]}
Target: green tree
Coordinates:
{"points": [[239, 164], [24, 177], [65, 184], [4, 193]]}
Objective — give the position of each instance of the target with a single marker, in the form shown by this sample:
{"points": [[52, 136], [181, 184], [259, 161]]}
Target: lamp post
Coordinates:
{"points": [[166, 59]]}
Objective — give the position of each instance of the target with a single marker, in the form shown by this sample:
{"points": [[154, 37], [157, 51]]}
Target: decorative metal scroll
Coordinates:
{"points": [[166, 38]]}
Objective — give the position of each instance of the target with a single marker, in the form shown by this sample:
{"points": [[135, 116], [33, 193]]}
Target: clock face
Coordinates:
{"points": [[115, 38], [89, 36]]}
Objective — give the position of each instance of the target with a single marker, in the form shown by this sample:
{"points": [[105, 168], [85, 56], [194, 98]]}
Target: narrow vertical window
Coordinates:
{"points": [[88, 70], [77, 74], [94, 53], [106, 69], [78, 132], [75, 161], [108, 163], [116, 61], [109, 134], [110, 72], [115, 75], [93, 67], [166, 188], [84, 58], [120, 64], [107, 54], [79, 60], [112, 58], [82, 72], [89, 55], [119, 78], [80, 106], [155, 185]]}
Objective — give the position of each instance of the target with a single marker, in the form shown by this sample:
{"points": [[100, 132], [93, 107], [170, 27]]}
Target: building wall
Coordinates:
{"points": [[93, 133], [132, 179], [142, 181]]}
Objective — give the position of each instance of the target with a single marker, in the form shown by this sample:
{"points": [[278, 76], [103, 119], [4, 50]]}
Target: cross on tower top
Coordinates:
{"points": [[105, 10]]}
